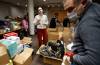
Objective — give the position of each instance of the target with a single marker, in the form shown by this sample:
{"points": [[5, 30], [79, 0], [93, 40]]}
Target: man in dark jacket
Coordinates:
{"points": [[87, 31]]}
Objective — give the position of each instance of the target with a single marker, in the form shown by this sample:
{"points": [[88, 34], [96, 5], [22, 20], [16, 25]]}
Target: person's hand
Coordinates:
{"points": [[66, 60], [38, 22], [60, 35], [63, 64]]}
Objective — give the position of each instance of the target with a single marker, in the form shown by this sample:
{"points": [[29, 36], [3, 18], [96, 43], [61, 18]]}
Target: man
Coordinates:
{"points": [[41, 21], [86, 46]]}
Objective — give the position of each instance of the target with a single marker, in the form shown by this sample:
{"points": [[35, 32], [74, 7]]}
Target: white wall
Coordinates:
{"points": [[17, 11], [4, 10], [10, 10]]}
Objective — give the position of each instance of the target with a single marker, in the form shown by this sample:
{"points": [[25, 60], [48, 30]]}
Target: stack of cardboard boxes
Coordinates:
{"points": [[11, 48]]}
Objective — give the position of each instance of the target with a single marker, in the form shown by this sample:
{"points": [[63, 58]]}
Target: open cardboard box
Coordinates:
{"points": [[53, 35], [26, 40], [52, 30], [24, 58], [50, 60]]}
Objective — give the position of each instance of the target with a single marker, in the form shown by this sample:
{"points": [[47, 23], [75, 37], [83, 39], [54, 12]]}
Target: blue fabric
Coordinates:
{"points": [[87, 37], [73, 64]]}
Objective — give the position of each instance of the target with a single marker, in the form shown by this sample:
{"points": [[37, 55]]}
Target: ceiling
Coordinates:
{"points": [[47, 3], [14, 2]]}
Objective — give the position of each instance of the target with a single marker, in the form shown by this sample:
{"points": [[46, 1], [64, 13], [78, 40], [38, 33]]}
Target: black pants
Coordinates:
{"points": [[25, 33]]}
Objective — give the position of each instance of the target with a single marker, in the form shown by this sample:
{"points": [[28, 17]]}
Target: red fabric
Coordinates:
{"points": [[10, 34], [42, 33], [70, 54]]}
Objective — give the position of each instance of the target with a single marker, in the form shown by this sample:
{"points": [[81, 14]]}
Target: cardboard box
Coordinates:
{"points": [[53, 35], [4, 58], [52, 61], [11, 46], [14, 38], [49, 60], [25, 58], [26, 40], [66, 35], [52, 29], [60, 29], [66, 29]]}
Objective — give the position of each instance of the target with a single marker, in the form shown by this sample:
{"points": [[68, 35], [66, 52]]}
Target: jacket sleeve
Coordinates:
{"points": [[88, 47]]}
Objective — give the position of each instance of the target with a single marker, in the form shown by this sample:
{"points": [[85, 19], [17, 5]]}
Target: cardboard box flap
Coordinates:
{"points": [[52, 29], [23, 56], [3, 51], [4, 58], [27, 52], [26, 40]]}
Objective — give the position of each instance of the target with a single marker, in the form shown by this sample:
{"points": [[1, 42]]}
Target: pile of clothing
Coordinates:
{"points": [[53, 49]]}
